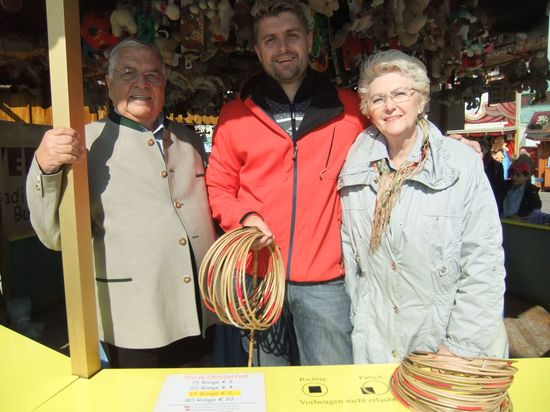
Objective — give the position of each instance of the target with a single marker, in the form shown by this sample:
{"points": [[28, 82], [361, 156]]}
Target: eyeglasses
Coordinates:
{"points": [[131, 75], [401, 95]]}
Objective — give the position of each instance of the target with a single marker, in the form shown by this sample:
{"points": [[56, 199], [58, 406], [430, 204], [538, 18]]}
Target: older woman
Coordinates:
{"points": [[421, 233]]}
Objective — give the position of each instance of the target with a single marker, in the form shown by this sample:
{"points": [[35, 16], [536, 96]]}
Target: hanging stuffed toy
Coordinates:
{"points": [[221, 26], [96, 32], [353, 51], [243, 25], [319, 54], [122, 19], [166, 13], [145, 22], [192, 37], [324, 7]]}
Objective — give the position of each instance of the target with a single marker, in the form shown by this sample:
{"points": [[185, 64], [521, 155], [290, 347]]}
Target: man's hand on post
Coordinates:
{"points": [[59, 146]]}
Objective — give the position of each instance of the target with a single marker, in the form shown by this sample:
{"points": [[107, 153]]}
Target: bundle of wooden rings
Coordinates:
{"points": [[432, 382], [238, 299]]}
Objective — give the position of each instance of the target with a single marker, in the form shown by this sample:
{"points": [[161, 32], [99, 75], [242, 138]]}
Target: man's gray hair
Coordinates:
{"points": [[130, 43]]}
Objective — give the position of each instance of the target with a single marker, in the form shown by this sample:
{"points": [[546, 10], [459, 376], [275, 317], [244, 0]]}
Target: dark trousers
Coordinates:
{"points": [[180, 353]]}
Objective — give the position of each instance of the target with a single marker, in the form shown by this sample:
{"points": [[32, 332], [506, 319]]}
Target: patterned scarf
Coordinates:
{"points": [[390, 185]]}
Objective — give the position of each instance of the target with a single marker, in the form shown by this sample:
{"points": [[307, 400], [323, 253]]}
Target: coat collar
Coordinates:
{"points": [[325, 103], [438, 172], [124, 121]]}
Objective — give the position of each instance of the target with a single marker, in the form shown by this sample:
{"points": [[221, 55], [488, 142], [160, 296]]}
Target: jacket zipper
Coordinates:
{"points": [[294, 189]]}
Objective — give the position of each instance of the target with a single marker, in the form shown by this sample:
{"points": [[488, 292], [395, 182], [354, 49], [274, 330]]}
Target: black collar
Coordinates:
{"points": [[325, 104]]}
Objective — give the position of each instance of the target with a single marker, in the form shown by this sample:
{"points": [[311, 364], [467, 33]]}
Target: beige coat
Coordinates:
{"points": [[149, 217]]}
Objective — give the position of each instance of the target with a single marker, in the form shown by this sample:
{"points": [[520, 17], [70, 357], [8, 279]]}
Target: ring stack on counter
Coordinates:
{"points": [[433, 382]]}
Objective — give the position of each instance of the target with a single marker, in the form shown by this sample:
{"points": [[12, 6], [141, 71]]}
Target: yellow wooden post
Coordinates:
{"points": [[67, 103]]}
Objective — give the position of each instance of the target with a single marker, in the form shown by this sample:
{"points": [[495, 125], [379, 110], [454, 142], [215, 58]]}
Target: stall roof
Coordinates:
{"points": [[485, 131]]}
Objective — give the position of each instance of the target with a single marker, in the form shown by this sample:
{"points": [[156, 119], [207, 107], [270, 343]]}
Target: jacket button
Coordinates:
{"points": [[443, 270], [151, 142], [393, 266], [186, 279], [396, 309], [182, 241], [178, 204], [37, 187], [395, 353], [164, 173]]}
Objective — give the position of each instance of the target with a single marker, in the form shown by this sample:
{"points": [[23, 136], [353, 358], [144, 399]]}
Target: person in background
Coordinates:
{"points": [[525, 157], [493, 169], [277, 151], [420, 228], [519, 198], [151, 223]]}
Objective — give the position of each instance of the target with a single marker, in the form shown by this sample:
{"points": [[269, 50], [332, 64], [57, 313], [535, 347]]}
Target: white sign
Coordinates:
{"points": [[224, 392]]}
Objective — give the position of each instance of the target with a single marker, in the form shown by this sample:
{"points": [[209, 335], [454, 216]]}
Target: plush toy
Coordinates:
{"points": [[167, 8], [221, 25], [196, 7], [353, 51], [122, 19], [164, 13], [363, 21], [212, 9], [355, 7], [411, 22], [319, 53], [324, 7], [96, 31], [243, 26], [169, 48], [145, 21]]}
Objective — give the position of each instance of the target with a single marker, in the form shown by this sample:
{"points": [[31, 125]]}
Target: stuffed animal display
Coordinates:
{"points": [[211, 40]]}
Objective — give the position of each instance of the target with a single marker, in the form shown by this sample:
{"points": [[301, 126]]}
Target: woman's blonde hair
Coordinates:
{"points": [[393, 61]]}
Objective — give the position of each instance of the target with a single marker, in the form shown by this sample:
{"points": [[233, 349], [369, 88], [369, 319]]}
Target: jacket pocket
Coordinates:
{"points": [[113, 280], [446, 275]]}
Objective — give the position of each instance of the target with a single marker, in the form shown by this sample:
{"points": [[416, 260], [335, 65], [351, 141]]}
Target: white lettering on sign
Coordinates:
{"points": [[17, 145]]}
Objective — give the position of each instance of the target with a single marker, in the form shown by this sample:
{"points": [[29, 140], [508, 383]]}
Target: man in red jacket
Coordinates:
{"points": [[277, 151]]}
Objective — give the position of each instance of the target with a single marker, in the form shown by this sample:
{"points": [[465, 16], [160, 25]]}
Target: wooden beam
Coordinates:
{"points": [[74, 210], [4, 107]]}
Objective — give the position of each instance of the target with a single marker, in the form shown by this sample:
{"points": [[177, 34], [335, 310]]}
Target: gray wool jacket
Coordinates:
{"points": [[150, 219], [438, 274]]}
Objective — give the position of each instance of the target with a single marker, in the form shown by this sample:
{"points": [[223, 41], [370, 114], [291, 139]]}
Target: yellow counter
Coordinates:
{"points": [[344, 388], [30, 373]]}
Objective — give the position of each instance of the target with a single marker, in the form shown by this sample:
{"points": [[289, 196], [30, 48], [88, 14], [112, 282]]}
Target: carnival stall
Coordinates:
{"points": [[208, 48]]}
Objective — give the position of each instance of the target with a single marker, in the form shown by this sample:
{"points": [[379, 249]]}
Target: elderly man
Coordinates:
{"points": [[151, 224]]}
